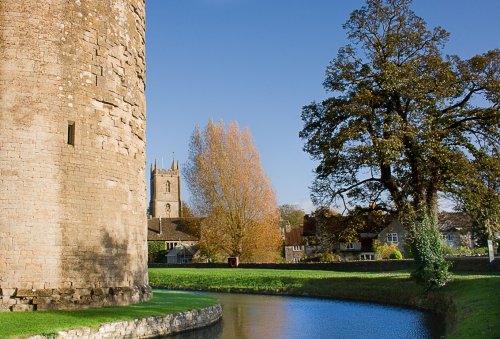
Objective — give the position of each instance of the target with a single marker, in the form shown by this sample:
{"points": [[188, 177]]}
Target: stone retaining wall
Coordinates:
{"points": [[149, 327]]}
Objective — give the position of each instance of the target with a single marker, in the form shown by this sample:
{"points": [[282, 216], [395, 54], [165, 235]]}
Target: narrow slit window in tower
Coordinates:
{"points": [[71, 133]]}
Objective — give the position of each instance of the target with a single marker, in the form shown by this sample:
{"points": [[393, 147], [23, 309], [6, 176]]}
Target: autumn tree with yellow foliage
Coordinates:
{"points": [[230, 189]]}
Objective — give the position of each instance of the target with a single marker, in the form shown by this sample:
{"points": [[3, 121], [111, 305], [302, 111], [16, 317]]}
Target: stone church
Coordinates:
{"points": [[166, 224], [165, 192]]}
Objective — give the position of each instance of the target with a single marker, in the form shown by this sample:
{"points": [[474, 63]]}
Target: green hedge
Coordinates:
{"points": [[157, 251]]}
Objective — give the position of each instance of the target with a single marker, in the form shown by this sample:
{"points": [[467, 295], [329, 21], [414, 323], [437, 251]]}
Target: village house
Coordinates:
{"points": [[331, 232], [455, 228], [394, 233], [177, 236], [294, 245], [361, 249], [309, 232]]}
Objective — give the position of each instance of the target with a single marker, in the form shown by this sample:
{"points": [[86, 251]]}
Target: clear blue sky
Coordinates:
{"points": [[258, 62]]}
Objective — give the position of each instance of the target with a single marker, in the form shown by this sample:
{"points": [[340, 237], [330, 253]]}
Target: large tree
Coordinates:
{"points": [[404, 122], [292, 215], [479, 197], [230, 189]]}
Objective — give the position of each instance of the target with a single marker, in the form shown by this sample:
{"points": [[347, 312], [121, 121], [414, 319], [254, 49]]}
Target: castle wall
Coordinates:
{"points": [[72, 153]]}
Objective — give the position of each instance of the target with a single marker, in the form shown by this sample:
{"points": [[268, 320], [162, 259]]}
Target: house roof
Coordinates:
{"points": [[394, 225], [182, 250], [172, 229], [367, 235], [454, 221], [294, 237], [366, 225]]}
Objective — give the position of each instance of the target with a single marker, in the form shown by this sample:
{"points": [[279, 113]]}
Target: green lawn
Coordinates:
{"points": [[470, 302], [476, 298], [50, 322]]}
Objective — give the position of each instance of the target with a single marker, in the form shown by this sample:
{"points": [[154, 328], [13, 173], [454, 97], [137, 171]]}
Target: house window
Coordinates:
{"points": [[447, 237], [71, 133], [168, 187], [170, 245], [392, 237], [367, 256], [296, 259], [349, 246], [296, 248]]}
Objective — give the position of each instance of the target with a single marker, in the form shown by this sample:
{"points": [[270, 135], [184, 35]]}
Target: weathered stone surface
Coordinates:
{"points": [[7, 292], [22, 308], [72, 151], [100, 291], [44, 292], [25, 293]]}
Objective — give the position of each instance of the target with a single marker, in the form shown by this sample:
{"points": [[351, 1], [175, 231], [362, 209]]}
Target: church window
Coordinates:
{"points": [[167, 209], [168, 186]]}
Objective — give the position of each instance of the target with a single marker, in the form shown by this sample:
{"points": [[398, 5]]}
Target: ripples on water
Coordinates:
{"points": [[257, 316]]}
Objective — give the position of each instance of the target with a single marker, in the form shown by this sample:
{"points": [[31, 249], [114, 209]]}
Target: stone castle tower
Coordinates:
{"points": [[72, 154], [165, 192]]}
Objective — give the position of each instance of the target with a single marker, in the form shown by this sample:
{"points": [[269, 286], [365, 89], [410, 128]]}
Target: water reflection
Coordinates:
{"points": [[256, 316]]}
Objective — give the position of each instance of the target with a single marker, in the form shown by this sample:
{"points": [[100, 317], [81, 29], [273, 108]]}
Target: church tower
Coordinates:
{"points": [[165, 192]]}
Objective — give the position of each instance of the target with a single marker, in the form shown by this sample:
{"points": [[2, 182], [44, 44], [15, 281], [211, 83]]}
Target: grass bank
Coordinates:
{"points": [[470, 303], [50, 322]]}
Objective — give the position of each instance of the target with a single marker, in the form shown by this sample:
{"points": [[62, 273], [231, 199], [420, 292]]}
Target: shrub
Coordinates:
{"points": [[408, 251], [309, 259], [432, 267], [480, 251], [464, 250], [386, 251], [396, 254], [328, 257], [156, 249]]}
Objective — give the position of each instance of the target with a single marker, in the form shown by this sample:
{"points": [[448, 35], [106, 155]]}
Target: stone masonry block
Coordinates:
{"points": [[24, 292], [23, 308], [44, 293], [66, 291], [8, 292]]}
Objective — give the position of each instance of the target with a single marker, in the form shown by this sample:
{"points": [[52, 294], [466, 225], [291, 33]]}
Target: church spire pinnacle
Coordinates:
{"points": [[175, 165]]}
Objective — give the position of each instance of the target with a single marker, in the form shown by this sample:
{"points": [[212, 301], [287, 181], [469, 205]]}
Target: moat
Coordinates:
{"points": [[258, 316]]}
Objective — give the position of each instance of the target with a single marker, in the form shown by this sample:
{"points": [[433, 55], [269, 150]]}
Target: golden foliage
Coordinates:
{"points": [[229, 187], [385, 251]]}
